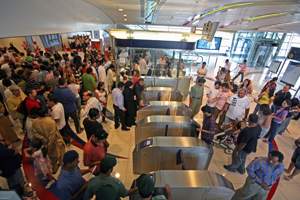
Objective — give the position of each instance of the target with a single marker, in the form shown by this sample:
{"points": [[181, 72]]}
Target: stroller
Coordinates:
{"points": [[226, 139]]}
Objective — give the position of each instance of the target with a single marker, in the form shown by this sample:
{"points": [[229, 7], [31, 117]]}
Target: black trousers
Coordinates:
{"points": [[75, 117], [242, 76], [119, 117]]}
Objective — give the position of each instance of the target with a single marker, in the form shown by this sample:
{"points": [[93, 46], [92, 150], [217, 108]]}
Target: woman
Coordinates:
{"points": [[278, 117], [247, 84], [263, 98], [294, 167], [136, 77], [44, 128], [129, 104], [202, 71], [264, 119], [101, 95]]}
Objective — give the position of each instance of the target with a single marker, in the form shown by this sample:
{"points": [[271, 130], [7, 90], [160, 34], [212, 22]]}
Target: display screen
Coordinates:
{"points": [[275, 66], [291, 74], [215, 44], [145, 143]]}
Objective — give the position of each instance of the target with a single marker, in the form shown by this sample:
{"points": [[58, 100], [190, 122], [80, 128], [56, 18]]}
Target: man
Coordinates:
{"points": [[104, 178], [95, 149], [212, 95], [237, 107], [271, 85], [145, 186], [10, 168], [102, 74], [14, 101], [91, 123], [58, 114], [262, 174], [196, 96], [243, 69], [227, 65], [66, 97], [118, 104], [88, 80], [246, 144], [139, 89], [70, 182], [91, 102], [281, 96]]}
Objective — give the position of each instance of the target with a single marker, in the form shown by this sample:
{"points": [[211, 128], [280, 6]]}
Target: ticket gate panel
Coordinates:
{"points": [[170, 153], [164, 108], [197, 184], [160, 125]]}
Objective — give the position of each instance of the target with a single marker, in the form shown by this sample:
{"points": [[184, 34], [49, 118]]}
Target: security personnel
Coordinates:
{"points": [[106, 185], [196, 95]]}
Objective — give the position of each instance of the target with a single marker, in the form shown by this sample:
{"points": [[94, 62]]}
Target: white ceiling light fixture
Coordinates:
{"points": [[125, 19], [125, 15], [120, 9]]}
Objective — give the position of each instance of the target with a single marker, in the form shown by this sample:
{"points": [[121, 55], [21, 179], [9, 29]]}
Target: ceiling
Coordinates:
{"points": [[282, 15]]}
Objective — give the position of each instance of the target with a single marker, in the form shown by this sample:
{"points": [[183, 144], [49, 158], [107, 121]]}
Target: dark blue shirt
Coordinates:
{"points": [[67, 98], [68, 183]]}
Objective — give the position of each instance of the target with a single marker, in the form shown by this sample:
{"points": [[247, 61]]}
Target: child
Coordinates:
{"points": [[41, 162], [101, 95], [208, 125], [295, 163]]}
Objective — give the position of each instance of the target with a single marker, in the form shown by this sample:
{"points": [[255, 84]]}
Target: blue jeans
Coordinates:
{"points": [[238, 161], [284, 125], [273, 131]]}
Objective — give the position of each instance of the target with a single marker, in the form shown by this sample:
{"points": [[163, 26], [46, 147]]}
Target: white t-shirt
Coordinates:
{"points": [[74, 88], [58, 113], [211, 95], [227, 66], [237, 107]]}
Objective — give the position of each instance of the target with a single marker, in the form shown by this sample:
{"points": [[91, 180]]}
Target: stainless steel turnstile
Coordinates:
{"points": [[171, 153], [161, 94], [191, 185], [182, 84], [164, 108], [164, 125]]}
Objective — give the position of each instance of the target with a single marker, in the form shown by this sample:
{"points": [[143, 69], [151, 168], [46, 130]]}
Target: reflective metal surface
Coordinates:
{"points": [[161, 94], [181, 84], [164, 125], [170, 153], [164, 108], [194, 184]]}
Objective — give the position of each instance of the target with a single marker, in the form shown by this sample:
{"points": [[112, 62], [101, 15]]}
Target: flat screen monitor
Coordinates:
{"points": [[274, 67], [291, 74], [215, 44]]}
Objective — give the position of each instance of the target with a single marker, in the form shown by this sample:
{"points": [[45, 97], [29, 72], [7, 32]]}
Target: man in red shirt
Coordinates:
{"points": [[95, 150], [32, 101]]}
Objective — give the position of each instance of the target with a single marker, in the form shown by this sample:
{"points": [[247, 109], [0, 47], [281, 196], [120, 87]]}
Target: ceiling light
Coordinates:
{"points": [[125, 19], [120, 9], [125, 15]]}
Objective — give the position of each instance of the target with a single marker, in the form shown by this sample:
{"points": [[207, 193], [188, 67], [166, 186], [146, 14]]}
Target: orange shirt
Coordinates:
{"points": [[93, 153]]}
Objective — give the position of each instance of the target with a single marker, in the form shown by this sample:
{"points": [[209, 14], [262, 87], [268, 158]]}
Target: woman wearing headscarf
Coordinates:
{"points": [[129, 104]]}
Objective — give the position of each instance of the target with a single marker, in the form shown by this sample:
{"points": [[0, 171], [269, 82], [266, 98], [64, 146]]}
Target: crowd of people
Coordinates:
{"points": [[229, 103], [41, 91]]}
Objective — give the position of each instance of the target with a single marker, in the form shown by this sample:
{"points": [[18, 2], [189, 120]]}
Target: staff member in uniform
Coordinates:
{"points": [[196, 96], [118, 103], [104, 183]]}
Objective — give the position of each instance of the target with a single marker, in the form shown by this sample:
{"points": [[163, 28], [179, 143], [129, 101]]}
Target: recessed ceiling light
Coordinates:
{"points": [[125, 15], [120, 9], [125, 19]]}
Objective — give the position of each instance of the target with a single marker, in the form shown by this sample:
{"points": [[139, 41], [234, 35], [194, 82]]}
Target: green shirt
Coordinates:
{"points": [[88, 82], [197, 92], [101, 180]]}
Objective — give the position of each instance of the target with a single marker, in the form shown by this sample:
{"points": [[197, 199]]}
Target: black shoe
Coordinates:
{"points": [[227, 167], [117, 126], [125, 129], [241, 171]]}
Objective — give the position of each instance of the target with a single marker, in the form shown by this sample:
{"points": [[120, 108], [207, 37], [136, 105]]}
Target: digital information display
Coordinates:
{"points": [[215, 44]]}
